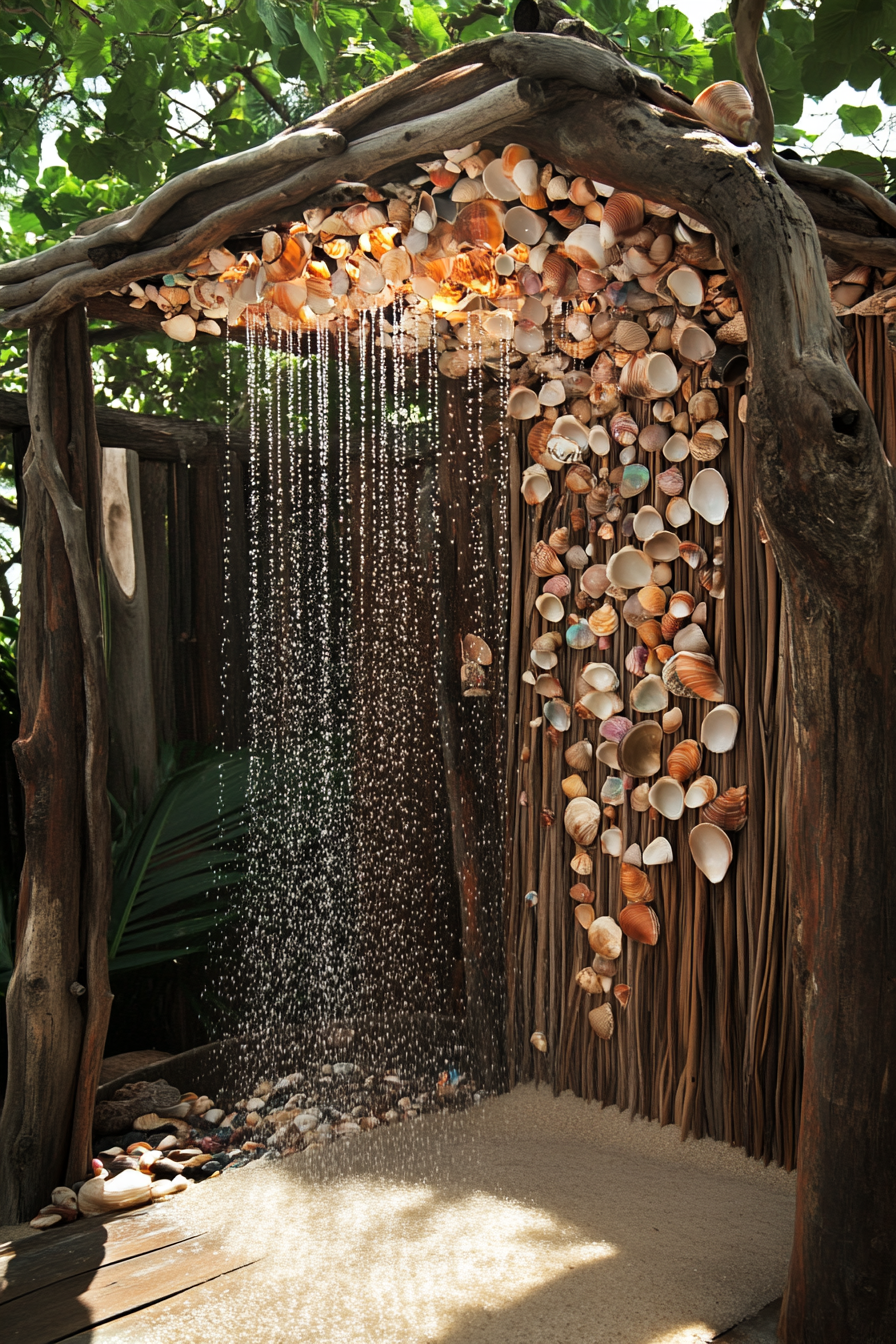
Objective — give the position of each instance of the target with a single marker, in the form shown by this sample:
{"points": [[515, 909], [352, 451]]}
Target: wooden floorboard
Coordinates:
{"points": [[77, 1303], [140, 1326], [62, 1252]]}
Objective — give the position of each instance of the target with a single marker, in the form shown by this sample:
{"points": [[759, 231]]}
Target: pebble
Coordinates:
{"points": [[213, 1116], [255, 1104]]}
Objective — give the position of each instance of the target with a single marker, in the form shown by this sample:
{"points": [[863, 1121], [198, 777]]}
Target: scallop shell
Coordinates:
{"points": [[684, 759], [640, 923], [605, 938], [604, 621], [558, 584], [601, 1021], [582, 821], [559, 278], [718, 730], [704, 447], [728, 108], [623, 214], [667, 796], [729, 809], [640, 750], [694, 676], [711, 850], [671, 481], [544, 560], [615, 729], [578, 755], [635, 884], [701, 792], [659, 851]]}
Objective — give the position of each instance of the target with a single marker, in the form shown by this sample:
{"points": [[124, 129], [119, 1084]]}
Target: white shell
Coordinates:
{"points": [[678, 512], [523, 225], [718, 730], [611, 841], [667, 796], [522, 404], [658, 851], [649, 695], [629, 568], [599, 441], [601, 676], [550, 607], [708, 496], [676, 448], [662, 547], [711, 850], [687, 286], [647, 523]]}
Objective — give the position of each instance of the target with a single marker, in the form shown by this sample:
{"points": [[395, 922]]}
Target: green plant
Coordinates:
{"points": [[171, 864]]}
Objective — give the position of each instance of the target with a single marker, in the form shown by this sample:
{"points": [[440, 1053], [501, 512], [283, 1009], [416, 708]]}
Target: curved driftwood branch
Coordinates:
{"points": [[747, 19], [795, 173]]}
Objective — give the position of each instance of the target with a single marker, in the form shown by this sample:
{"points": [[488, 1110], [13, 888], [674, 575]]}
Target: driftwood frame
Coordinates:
{"points": [[824, 490]]}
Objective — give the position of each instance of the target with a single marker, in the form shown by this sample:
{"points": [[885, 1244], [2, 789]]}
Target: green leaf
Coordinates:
{"points": [[88, 53], [859, 120], [277, 20], [862, 165], [17, 58], [314, 47], [427, 22], [787, 107], [844, 28], [788, 135]]}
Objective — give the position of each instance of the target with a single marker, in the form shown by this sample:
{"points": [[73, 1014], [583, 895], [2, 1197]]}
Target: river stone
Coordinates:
{"points": [[131, 1101]]}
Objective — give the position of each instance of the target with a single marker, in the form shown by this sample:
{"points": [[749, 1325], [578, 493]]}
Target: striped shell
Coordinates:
{"points": [[640, 923], [728, 810], [694, 676], [726, 107]]}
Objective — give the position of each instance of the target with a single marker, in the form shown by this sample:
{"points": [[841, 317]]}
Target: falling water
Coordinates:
{"points": [[351, 902]]}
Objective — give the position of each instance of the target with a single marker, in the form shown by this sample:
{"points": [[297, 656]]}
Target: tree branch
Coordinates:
{"points": [[837, 179], [268, 97], [871, 251], [9, 513], [746, 15]]}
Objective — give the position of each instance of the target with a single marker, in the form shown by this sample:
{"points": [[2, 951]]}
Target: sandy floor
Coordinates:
{"points": [[530, 1221]]}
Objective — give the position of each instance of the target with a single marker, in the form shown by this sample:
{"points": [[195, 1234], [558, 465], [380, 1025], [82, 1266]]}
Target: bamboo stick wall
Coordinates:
{"points": [[710, 1040]]}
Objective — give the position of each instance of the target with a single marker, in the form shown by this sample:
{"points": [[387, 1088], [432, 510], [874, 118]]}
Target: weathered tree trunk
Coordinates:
{"points": [[133, 746], [56, 1036]]}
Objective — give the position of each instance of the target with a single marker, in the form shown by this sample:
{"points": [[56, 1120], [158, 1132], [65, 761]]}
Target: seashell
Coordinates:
{"points": [[605, 938], [630, 336], [647, 523], [481, 224], [539, 1041], [181, 327], [581, 894], [711, 850], [623, 428], [636, 660], [544, 561], [690, 639], [671, 720], [635, 884], [569, 216], [589, 981], [608, 755], [548, 686], [580, 481], [513, 155], [640, 798], [663, 652], [578, 755], [600, 676], [558, 277], [629, 568], [699, 616], [662, 548], [676, 448], [652, 599], [601, 1021], [598, 705], [584, 915], [708, 496], [522, 403], [658, 851], [559, 585], [667, 796], [684, 759], [613, 791], [623, 214], [635, 479], [692, 341], [559, 540], [524, 226], [611, 841], [653, 438], [578, 349], [580, 635], [615, 729], [686, 285], [703, 405], [701, 792], [649, 696], [671, 481], [536, 485], [557, 714], [583, 247], [640, 923], [693, 555], [640, 750], [678, 512], [581, 191], [622, 993], [704, 447], [729, 809], [467, 189], [694, 676], [733, 332], [604, 621], [557, 188], [582, 821], [726, 107], [718, 730], [650, 633], [124, 1191], [454, 363], [44, 1220]]}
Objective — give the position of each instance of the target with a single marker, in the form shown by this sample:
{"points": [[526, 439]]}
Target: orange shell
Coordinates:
{"points": [[622, 993], [684, 760], [584, 916], [670, 625], [729, 810], [650, 634], [623, 213], [581, 894], [640, 923], [726, 107], [604, 621], [652, 599], [558, 276], [481, 223], [537, 440], [635, 884], [694, 675]]}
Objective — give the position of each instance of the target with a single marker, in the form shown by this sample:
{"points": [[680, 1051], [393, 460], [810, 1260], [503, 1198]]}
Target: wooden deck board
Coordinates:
{"points": [[79, 1302], [62, 1252], [137, 1327]]}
